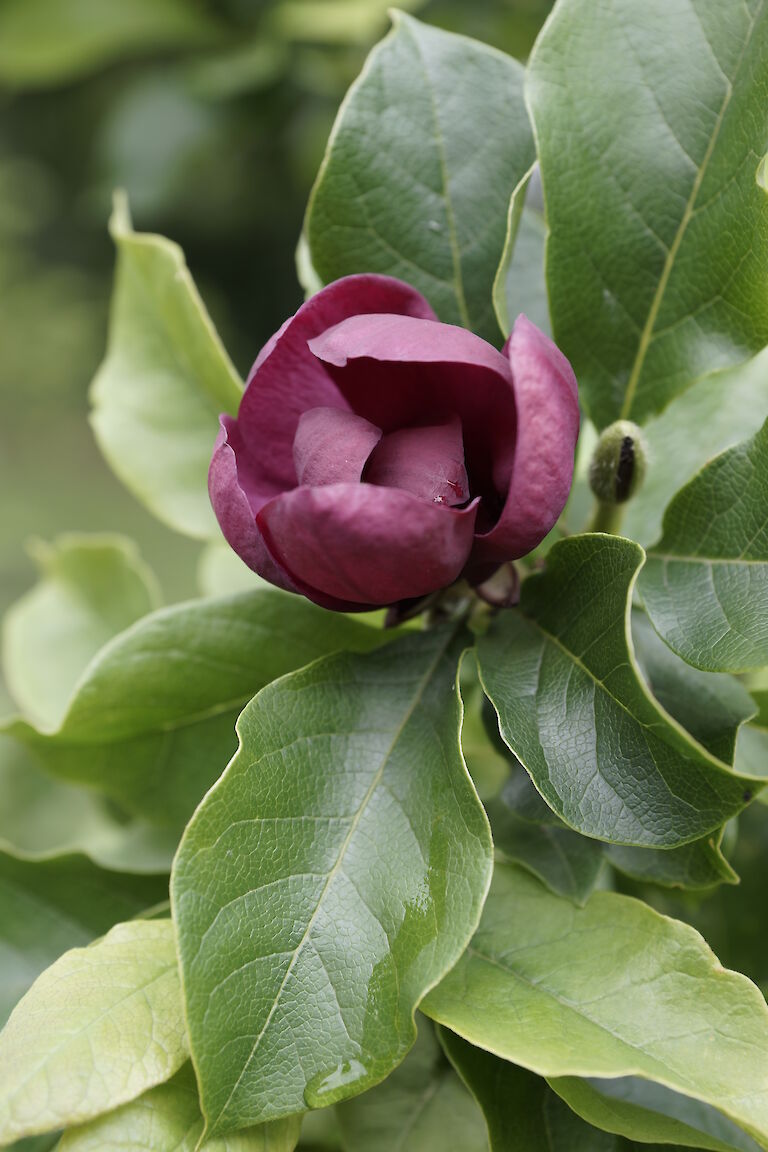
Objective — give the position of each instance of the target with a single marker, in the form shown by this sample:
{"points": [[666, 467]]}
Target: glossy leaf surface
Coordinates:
{"points": [[651, 134], [562, 677], [409, 185], [345, 827]]}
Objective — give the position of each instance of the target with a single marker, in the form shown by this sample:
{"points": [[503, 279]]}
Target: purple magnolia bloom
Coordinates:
{"points": [[378, 454]]}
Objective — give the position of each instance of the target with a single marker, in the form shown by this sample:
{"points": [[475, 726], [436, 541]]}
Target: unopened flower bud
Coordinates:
{"points": [[618, 464]]}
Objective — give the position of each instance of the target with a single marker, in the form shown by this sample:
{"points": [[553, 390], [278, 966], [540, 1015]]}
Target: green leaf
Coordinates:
{"points": [[520, 284], [613, 989], [359, 835], [522, 1113], [152, 722], [562, 677], [711, 706], [99, 1027], [528, 832], [421, 1107], [641, 1110], [166, 377], [167, 1119], [650, 135], [705, 586], [43, 816], [43, 42], [55, 903], [697, 865], [715, 414], [569, 864], [427, 147], [91, 587]]}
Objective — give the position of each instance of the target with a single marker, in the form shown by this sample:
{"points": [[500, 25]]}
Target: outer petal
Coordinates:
{"points": [[398, 371], [366, 545], [546, 395], [287, 379], [233, 509], [332, 445]]}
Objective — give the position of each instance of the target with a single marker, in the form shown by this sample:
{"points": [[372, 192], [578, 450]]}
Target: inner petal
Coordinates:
{"points": [[429, 462], [331, 446]]}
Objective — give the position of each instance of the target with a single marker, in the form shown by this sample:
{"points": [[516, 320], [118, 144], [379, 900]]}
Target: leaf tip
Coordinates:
{"points": [[120, 222]]}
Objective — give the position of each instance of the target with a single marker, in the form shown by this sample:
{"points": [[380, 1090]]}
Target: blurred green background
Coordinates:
{"points": [[214, 115]]}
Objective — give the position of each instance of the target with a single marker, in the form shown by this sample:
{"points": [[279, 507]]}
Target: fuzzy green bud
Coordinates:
{"points": [[618, 463]]}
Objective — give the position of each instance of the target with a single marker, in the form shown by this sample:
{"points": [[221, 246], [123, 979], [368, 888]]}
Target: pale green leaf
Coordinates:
{"points": [[572, 706], [45, 42], [91, 587], [166, 377], [426, 150], [51, 904], [98, 1028], [152, 722], [651, 127], [705, 586], [613, 989], [359, 835], [167, 1119], [421, 1107], [642, 1110]]}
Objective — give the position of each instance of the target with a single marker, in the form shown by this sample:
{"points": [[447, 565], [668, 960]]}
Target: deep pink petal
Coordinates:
{"points": [[287, 379], [229, 497], [426, 461], [546, 395], [332, 445], [366, 545], [398, 371]]}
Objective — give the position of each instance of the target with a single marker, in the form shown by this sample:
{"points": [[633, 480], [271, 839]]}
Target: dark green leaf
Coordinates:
{"points": [[522, 1113], [426, 150], [50, 905], [152, 722], [359, 835], [705, 586], [650, 135], [711, 706], [572, 707]]}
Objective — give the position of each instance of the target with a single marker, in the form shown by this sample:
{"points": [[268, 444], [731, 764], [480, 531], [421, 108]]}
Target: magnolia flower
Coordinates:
{"points": [[378, 455]]}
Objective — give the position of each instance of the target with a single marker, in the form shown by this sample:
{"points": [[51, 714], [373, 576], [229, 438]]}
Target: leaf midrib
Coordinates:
{"points": [[417, 699], [646, 336]]}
